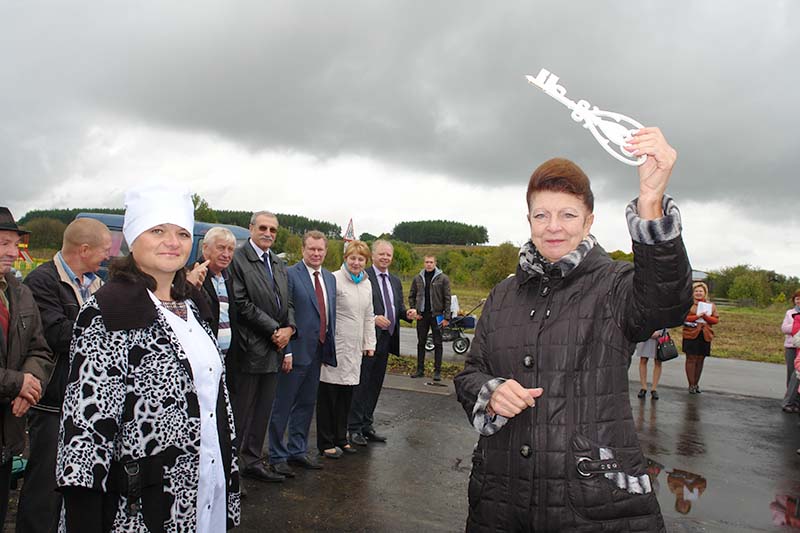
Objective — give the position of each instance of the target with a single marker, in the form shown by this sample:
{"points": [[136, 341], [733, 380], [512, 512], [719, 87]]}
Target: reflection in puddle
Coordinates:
{"points": [[686, 486], [690, 440], [786, 510]]}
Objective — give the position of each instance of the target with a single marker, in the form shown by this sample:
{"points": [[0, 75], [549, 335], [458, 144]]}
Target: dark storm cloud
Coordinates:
{"points": [[433, 86]]}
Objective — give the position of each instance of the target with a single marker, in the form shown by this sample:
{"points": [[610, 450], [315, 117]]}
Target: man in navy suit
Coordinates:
{"points": [[312, 290], [388, 303]]}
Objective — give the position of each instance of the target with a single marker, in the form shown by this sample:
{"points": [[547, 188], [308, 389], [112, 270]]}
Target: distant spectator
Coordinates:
{"points": [[790, 326], [697, 335], [60, 287], [429, 300], [645, 351], [26, 361]]}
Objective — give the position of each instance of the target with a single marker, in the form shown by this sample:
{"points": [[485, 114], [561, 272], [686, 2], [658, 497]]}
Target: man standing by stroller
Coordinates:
{"points": [[430, 297]]}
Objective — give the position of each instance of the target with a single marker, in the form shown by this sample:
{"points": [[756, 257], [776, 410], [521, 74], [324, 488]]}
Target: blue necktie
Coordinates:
{"points": [[271, 277]]}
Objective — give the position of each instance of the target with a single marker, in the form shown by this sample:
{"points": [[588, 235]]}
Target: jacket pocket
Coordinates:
{"points": [[603, 483], [477, 477], [141, 488]]}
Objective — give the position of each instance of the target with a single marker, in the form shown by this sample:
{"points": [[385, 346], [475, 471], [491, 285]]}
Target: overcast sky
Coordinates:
{"points": [[386, 111]]}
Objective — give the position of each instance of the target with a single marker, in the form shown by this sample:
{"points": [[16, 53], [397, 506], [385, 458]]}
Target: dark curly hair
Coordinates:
{"points": [[126, 269]]}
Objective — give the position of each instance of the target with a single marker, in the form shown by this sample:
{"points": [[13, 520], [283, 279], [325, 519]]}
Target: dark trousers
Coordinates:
{"points": [[252, 406], [792, 397], [5, 488], [39, 502], [292, 412], [333, 405], [366, 393], [428, 322]]}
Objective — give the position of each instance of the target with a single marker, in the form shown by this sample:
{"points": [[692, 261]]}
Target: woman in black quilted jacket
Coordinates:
{"points": [[546, 383]]}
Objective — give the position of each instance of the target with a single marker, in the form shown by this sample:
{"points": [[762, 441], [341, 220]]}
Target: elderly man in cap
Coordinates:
{"points": [[25, 359], [60, 287]]}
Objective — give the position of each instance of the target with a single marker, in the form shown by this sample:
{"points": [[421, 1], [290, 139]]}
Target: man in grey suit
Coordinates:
{"points": [[265, 325]]}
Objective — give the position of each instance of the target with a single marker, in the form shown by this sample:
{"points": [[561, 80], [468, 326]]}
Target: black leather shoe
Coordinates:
{"points": [[654, 394], [417, 375], [283, 469], [642, 393], [374, 437], [437, 376], [305, 462], [358, 439], [262, 473], [348, 448]]}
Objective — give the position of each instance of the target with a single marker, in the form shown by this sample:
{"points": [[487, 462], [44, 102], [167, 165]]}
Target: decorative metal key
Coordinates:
{"points": [[617, 131]]}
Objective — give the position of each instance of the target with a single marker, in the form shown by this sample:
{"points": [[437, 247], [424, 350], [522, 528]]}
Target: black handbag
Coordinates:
{"points": [[666, 349]]}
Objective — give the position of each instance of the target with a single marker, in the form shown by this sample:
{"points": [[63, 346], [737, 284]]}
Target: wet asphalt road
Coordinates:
{"points": [[742, 447]]}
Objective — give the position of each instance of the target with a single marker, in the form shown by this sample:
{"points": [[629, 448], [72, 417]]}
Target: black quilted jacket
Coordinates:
{"points": [[573, 336]]}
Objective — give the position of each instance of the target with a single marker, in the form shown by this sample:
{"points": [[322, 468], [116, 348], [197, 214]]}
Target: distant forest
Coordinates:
{"points": [[440, 232], [293, 223]]}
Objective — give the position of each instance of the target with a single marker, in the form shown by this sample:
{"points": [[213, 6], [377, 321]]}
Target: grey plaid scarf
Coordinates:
{"points": [[532, 262]]}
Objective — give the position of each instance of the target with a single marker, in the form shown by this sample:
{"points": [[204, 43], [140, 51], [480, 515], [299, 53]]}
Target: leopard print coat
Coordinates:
{"points": [[131, 395]]}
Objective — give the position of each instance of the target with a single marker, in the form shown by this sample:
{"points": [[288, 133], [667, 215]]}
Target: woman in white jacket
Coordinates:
{"points": [[355, 338]]}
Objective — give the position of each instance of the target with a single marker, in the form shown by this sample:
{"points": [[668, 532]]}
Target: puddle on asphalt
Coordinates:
{"points": [[715, 469]]}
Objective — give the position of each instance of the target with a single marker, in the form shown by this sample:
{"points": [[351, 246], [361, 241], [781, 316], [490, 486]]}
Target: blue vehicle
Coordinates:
{"points": [[119, 247]]}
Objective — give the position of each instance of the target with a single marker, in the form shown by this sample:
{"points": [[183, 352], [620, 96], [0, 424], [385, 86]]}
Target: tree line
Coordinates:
{"points": [[440, 232], [752, 286], [467, 265]]}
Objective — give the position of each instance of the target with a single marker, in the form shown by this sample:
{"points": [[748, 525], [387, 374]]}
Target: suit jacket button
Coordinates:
{"points": [[527, 361], [525, 451]]}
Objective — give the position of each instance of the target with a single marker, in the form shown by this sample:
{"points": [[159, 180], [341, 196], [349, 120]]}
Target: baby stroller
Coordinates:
{"points": [[454, 332]]}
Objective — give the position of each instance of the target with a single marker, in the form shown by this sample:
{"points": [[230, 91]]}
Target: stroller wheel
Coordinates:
{"points": [[429, 343], [461, 345]]}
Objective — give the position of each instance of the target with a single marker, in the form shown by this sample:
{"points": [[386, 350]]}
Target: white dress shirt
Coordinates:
{"points": [[206, 363]]}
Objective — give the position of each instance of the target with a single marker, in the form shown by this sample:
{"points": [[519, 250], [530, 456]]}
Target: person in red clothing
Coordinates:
{"points": [[697, 334]]}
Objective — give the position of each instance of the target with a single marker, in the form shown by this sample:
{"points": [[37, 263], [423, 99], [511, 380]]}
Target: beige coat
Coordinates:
{"points": [[355, 329]]}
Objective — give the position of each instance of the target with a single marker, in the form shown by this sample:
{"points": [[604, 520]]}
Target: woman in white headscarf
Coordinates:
{"points": [[147, 430]]}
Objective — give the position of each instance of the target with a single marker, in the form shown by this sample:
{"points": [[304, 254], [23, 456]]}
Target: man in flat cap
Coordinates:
{"points": [[25, 359]]}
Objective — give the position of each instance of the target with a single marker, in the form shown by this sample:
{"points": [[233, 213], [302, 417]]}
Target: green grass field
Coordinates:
{"points": [[745, 333]]}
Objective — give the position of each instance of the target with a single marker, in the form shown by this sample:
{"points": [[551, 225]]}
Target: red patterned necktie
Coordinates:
{"points": [[323, 314]]}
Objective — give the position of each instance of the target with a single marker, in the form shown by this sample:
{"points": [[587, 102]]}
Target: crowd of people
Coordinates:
{"points": [[149, 395]]}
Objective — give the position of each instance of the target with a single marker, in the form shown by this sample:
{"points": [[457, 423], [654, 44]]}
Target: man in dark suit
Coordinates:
{"points": [[312, 291], [265, 323], [387, 301]]}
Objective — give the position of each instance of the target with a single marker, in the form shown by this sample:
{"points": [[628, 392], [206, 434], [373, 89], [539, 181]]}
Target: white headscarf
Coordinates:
{"points": [[149, 205]]}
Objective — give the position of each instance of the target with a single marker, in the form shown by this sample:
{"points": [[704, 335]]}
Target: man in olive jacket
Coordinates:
{"points": [[266, 322], [25, 359]]}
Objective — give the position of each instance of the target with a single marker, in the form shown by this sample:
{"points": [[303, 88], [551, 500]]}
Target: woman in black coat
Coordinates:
{"points": [[546, 383]]}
